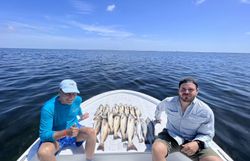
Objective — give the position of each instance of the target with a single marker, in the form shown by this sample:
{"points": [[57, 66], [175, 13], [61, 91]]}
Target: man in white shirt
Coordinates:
{"points": [[190, 119]]}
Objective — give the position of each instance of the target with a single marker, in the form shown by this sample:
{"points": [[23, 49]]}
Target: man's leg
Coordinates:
{"points": [[47, 151], [159, 151], [163, 145], [208, 155], [211, 158], [89, 135]]}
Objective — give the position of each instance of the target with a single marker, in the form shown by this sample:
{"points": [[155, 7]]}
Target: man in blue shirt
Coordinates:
{"points": [[59, 125], [190, 125]]}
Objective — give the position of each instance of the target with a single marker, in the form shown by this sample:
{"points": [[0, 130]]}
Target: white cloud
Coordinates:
{"points": [[11, 28], [82, 7], [59, 29], [110, 7], [106, 31], [245, 1], [64, 42], [198, 2], [13, 40], [20, 27]]}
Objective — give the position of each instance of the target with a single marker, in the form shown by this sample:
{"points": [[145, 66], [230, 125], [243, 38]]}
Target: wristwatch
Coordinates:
{"points": [[200, 144]]}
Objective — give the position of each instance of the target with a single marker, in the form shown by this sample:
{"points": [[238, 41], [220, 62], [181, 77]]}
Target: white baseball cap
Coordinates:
{"points": [[69, 86]]}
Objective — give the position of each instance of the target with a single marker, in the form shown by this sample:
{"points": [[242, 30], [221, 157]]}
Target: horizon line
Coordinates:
{"points": [[29, 48]]}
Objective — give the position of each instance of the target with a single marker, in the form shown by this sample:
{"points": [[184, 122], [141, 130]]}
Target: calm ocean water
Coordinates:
{"points": [[30, 77]]}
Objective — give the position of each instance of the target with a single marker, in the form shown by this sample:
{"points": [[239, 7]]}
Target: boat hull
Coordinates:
{"points": [[115, 148]]}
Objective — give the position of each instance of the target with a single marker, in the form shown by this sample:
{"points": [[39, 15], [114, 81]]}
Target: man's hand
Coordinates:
{"points": [[190, 148], [72, 131], [84, 116]]}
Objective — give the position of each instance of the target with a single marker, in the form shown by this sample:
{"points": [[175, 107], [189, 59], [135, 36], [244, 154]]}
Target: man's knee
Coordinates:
{"points": [[47, 149], [44, 152], [92, 132], [89, 132], [159, 147]]}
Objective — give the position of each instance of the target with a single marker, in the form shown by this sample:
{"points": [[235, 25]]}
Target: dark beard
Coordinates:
{"points": [[187, 99]]}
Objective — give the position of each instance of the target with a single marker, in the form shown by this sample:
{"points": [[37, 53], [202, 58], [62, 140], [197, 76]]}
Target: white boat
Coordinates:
{"points": [[115, 149]]}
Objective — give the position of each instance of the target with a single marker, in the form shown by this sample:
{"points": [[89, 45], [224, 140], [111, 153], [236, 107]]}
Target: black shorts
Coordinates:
{"points": [[173, 146]]}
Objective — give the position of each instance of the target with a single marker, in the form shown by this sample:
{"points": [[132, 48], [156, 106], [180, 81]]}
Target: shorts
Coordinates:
{"points": [[67, 141], [171, 143], [173, 146]]}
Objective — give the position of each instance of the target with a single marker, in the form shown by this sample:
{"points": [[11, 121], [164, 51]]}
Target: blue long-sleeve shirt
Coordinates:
{"points": [[196, 123], [56, 116]]}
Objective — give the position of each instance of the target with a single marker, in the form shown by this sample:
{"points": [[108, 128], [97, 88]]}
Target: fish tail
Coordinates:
{"points": [[100, 147], [131, 147], [146, 141]]}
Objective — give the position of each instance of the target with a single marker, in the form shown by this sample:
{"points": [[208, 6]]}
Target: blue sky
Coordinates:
{"points": [[161, 25]]}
